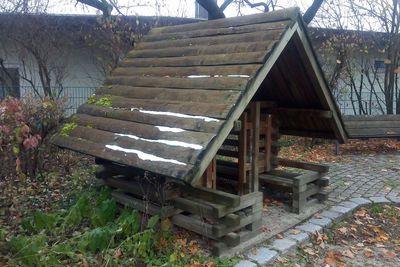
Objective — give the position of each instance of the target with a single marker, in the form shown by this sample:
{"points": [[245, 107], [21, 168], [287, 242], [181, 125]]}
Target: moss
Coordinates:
{"points": [[104, 101], [68, 127]]}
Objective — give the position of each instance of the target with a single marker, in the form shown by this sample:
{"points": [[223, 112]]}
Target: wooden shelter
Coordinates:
{"points": [[200, 107]]}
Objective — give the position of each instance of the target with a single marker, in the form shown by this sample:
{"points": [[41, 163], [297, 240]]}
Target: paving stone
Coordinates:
{"points": [[283, 245], [331, 215], [349, 204], [360, 200], [299, 238], [309, 227], [379, 200], [245, 263], [324, 222], [340, 209], [395, 199], [262, 255]]}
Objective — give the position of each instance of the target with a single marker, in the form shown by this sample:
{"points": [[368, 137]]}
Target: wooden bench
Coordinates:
{"points": [[305, 186]]}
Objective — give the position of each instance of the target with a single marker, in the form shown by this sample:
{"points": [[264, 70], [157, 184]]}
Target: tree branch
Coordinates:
{"points": [[101, 5], [225, 4], [214, 12], [265, 5], [312, 11]]}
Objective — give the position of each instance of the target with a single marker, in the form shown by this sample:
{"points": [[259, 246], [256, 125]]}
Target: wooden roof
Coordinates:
{"points": [[176, 96]]}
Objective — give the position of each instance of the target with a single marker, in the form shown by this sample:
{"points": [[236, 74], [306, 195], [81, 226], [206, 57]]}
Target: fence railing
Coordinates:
{"points": [[365, 104], [75, 96], [369, 104]]}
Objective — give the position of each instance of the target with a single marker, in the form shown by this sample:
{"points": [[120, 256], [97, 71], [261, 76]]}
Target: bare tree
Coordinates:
{"points": [[365, 52]]}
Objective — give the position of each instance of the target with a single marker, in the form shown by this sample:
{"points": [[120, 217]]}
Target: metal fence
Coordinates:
{"points": [[366, 104], [75, 96], [371, 104]]}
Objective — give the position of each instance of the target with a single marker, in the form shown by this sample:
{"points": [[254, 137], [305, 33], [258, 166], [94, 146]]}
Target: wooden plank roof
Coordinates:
{"points": [[176, 96]]}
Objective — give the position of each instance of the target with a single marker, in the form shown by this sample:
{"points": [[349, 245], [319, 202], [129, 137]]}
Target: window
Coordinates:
{"points": [[9, 82], [379, 65]]}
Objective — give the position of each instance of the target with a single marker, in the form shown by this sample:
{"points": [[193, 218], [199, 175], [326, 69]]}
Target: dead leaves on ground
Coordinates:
{"points": [[371, 234]]}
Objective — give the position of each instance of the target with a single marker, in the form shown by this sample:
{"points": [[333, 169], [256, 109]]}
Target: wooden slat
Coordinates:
{"points": [[189, 95], [152, 119], [255, 144], [248, 69], [98, 150], [214, 40], [217, 31], [215, 196], [219, 111], [208, 60], [144, 206], [149, 146], [214, 83], [297, 112], [242, 154], [280, 15], [395, 118], [366, 124], [141, 130], [304, 165], [202, 50], [371, 133], [141, 188]]}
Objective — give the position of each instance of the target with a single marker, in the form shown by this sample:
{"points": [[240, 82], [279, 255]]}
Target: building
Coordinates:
{"points": [[69, 55]]}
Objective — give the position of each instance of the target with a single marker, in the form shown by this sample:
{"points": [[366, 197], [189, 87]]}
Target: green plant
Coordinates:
{"points": [[104, 101], [67, 128], [24, 125]]}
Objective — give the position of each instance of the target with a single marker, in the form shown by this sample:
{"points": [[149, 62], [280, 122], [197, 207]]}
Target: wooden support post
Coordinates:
{"points": [[209, 179], [255, 141], [268, 144], [242, 160], [337, 148]]}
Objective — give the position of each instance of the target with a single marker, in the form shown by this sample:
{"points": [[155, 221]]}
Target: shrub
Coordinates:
{"points": [[24, 125]]}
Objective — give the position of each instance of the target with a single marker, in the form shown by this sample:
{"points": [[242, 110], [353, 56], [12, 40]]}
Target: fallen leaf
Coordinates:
{"points": [[279, 236], [347, 253]]}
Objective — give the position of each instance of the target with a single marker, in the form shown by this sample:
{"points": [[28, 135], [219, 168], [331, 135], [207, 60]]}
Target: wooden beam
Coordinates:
{"points": [[297, 112], [242, 154], [268, 143], [255, 119], [303, 165]]}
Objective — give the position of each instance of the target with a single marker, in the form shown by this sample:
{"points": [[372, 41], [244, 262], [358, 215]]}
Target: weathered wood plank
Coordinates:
{"points": [[207, 60], [373, 132], [189, 95], [228, 70], [141, 130], [213, 40], [371, 118], [141, 189], [218, 111], [217, 31], [143, 206], [304, 165], [152, 147], [296, 112], [186, 123], [255, 144], [280, 15], [172, 170], [202, 50], [213, 83], [212, 195]]}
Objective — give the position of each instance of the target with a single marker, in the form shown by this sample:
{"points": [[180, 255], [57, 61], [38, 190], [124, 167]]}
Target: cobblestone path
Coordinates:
{"points": [[365, 176]]}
